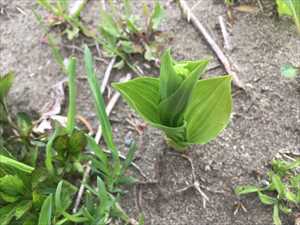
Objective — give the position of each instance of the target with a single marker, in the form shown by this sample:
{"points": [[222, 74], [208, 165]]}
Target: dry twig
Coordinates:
{"points": [[221, 56]]}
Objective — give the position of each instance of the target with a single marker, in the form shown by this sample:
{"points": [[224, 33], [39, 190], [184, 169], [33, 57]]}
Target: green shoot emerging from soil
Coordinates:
{"points": [[187, 110], [39, 172], [282, 189], [290, 8]]}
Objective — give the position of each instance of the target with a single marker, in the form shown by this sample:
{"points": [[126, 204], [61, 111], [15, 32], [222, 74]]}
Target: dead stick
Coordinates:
{"points": [[225, 34], [221, 56]]}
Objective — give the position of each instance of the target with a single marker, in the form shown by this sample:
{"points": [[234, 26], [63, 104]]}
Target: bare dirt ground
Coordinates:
{"points": [[265, 120]]}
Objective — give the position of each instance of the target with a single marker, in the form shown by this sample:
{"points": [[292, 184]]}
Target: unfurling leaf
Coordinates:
{"points": [[188, 110]]}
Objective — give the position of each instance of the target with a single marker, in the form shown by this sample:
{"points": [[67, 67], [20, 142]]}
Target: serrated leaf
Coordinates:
{"points": [[209, 109], [46, 211]]}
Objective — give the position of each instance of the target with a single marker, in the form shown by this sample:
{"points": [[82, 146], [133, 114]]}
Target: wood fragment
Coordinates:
{"points": [[229, 67], [225, 34]]}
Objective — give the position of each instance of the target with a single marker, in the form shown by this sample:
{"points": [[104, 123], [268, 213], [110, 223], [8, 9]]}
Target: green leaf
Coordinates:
{"points": [[77, 142], [142, 94], [109, 25], [241, 190], [276, 218], [169, 81], [157, 16], [100, 108], [24, 124], [15, 164], [7, 213], [289, 71], [6, 82], [46, 211], [209, 109], [278, 184], [290, 8], [71, 71], [58, 204], [129, 157], [22, 208], [171, 109], [12, 185], [267, 200]]}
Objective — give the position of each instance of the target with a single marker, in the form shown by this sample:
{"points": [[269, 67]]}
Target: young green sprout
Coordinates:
{"points": [[282, 191], [188, 110]]}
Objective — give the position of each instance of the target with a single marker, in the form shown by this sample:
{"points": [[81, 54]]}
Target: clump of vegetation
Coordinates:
{"points": [[281, 190], [39, 172], [121, 34], [66, 13], [290, 8], [187, 110]]}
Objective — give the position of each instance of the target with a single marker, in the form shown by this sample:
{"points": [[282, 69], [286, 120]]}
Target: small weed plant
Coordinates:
{"points": [[39, 172], [281, 190], [186, 109]]}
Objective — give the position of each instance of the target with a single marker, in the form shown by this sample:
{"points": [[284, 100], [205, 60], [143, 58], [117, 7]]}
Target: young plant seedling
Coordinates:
{"points": [[188, 110], [66, 12], [281, 191], [290, 8], [121, 36]]}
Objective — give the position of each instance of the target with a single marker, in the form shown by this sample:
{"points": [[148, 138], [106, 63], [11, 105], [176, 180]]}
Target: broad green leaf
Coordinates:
{"points": [[169, 81], [267, 200], [289, 71], [209, 109], [71, 71], [276, 218], [157, 16], [5, 84], [15, 164], [142, 94], [246, 190], [46, 211], [290, 196], [171, 109], [12, 185]]}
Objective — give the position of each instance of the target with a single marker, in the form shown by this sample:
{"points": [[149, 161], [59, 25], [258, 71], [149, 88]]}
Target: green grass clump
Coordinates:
{"points": [[40, 173], [281, 191]]}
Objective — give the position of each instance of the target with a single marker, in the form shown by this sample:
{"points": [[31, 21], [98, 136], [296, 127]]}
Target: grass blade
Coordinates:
{"points": [[17, 165], [71, 71]]}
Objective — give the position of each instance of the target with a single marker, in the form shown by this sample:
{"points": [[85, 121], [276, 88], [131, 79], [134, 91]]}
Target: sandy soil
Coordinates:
{"points": [[265, 121]]}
